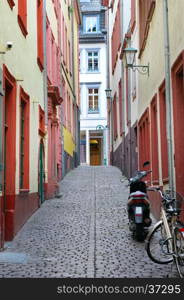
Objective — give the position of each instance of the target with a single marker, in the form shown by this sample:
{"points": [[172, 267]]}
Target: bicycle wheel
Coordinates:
{"points": [[179, 251], [157, 246]]}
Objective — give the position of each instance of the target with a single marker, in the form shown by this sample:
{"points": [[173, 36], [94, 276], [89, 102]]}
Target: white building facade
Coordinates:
{"points": [[93, 82]]}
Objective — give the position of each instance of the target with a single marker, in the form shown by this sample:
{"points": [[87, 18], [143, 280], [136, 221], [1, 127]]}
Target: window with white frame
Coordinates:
{"points": [[93, 100], [91, 24], [93, 61]]}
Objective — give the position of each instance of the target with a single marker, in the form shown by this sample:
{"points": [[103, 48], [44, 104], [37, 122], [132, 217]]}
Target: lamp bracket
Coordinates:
{"points": [[142, 69]]}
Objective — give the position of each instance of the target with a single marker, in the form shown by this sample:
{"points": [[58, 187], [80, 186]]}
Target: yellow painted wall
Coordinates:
{"points": [[69, 145]]}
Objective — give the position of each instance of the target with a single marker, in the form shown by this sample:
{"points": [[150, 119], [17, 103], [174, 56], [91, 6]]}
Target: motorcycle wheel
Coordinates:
{"points": [[139, 233]]}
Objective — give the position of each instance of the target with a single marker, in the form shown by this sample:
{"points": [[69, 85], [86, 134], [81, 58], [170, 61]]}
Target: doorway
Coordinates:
{"points": [[41, 174], [95, 152], [9, 152]]}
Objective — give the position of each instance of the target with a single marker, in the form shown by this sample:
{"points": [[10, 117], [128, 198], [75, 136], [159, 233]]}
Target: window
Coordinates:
{"points": [[91, 24], [93, 100], [68, 112], [163, 133], [146, 10], [144, 138], [105, 3], [69, 58], [24, 140], [41, 129], [93, 61], [40, 34], [133, 14], [154, 140], [115, 117], [22, 16], [120, 108], [22, 143], [80, 55], [116, 39], [11, 3]]}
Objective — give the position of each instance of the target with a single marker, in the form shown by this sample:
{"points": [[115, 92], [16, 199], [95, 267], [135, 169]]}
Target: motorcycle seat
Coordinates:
{"points": [[138, 194]]}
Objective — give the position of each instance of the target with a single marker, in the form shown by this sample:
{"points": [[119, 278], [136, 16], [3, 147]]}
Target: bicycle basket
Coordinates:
{"points": [[178, 199]]}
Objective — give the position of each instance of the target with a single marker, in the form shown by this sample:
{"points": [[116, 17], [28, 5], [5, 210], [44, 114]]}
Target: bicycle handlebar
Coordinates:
{"points": [[139, 175], [163, 196]]}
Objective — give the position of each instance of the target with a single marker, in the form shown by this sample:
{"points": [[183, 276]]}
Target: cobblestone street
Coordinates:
{"points": [[82, 234]]}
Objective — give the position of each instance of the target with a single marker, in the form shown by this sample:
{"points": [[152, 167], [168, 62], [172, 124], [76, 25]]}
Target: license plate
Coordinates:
{"points": [[138, 211]]}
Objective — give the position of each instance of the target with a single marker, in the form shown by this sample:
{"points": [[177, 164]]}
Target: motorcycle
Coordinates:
{"points": [[138, 206]]}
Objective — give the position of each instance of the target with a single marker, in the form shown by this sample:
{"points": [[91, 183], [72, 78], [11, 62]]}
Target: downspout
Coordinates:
{"points": [[122, 85], [74, 91], [73, 81], [111, 129], [45, 62], [77, 113], [1, 136], [168, 95], [129, 123], [108, 84]]}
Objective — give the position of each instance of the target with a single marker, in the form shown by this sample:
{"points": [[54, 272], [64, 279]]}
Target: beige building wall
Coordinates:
{"points": [[154, 54], [21, 61], [154, 50]]}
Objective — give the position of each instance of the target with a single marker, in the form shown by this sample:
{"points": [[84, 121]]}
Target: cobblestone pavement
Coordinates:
{"points": [[82, 234]]}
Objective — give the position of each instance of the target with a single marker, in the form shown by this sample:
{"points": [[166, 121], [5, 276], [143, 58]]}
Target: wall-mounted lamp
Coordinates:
{"points": [[108, 93], [8, 47], [130, 58], [100, 127]]}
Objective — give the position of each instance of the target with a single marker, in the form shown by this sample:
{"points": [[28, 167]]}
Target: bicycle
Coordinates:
{"points": [[165, 242]]}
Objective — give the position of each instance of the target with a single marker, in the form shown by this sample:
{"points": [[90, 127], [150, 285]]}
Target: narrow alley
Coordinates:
{"points": [[83, 234]]}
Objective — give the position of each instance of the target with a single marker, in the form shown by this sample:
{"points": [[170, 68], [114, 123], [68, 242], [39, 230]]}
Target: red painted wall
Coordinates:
{"points": [[178, 109], [54, 100]]}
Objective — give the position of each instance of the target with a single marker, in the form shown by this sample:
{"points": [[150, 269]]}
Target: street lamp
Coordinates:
{"points": [[108, 92], [130, 58]]}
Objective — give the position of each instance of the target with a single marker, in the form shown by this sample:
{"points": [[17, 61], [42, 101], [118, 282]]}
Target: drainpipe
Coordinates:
{"points": [[45, 62], [168, 95], [74, 93], [122, 84], [129, 123], [1, 134], [110, 129]]}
